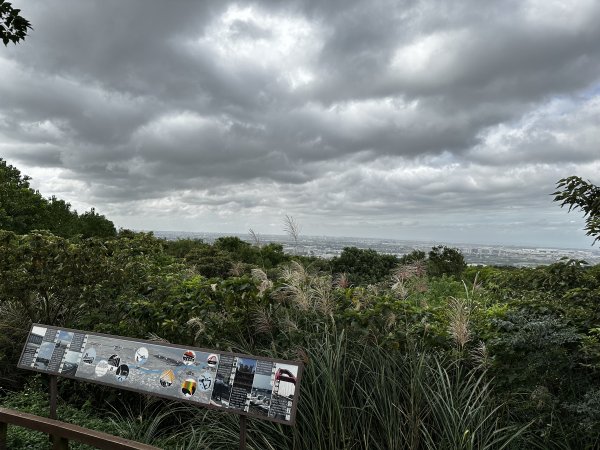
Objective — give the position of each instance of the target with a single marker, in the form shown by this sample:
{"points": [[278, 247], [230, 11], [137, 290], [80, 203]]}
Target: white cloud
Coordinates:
{"points": [[564, 15], [429, 58], [277, 42]]}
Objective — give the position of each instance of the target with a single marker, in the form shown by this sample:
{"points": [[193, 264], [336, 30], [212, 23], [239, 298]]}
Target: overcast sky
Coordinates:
{"points": [[430, 120]]}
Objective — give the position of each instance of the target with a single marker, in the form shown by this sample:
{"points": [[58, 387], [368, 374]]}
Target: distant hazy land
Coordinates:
{"points": [[486, 254]]}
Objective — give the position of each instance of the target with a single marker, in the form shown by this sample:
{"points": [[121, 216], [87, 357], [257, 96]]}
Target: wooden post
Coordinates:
{"points": [[242, 432], [58, 442], [53, 395], [3, 433]]}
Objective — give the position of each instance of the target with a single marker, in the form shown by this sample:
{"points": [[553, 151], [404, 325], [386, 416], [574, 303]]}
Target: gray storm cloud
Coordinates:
{"points": [[360, 118]]}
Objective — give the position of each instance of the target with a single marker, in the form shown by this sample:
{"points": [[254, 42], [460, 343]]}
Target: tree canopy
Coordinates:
{"points": [[23, 209], [364, 266], [445, 261]]}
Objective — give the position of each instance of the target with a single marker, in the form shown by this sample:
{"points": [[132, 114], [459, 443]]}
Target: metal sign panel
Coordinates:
{"points": [[254, 386]]}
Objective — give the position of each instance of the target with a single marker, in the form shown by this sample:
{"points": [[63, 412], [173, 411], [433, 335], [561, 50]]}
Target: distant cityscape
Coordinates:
{"points": [[475, 254]]}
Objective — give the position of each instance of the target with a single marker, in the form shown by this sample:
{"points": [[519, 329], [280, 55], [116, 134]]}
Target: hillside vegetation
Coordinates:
{"points": [[418, 352]]}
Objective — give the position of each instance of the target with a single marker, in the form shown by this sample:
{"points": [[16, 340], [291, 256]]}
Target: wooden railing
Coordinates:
{"points": [[63, 432]]}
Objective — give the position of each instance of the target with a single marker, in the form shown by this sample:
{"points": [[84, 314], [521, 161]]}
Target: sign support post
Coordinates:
{"points": [[243, 432], [53, 396], [58, 443]]}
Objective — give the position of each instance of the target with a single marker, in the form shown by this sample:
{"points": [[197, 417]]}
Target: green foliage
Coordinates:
{"points": [[413, 257], [464, 414], [179, 248], [194, 310], [58, 219], [75, 282], [364, 266], [44, 277], [23, 210], [544, 348], [587, 413], [34, 400], [271, 255], [209, 261], [233, 244], [92, 224], [383, 356], [445, 261], [577, 193], [61, 281], [228, 256], [13, 26]]}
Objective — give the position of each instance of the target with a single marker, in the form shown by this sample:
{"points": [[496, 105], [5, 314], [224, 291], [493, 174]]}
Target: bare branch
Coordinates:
{"points": [[292, 228], [255, 238]]}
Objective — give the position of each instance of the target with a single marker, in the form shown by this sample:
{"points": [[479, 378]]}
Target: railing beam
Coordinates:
{"points": [[64, 432]]}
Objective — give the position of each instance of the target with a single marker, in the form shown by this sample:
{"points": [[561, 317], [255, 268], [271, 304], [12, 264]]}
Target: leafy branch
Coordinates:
{"points": [[13, 27], [577, 193]]}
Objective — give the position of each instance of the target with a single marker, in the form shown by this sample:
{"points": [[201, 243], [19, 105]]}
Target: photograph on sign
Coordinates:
{"points": [[32, 346], [262, 387], [284, 389], [152, 368], [244, 384], [70, 363], [222, 389]]}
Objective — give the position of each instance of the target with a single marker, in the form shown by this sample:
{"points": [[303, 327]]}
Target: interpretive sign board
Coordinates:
{"points": [[248, 385]]}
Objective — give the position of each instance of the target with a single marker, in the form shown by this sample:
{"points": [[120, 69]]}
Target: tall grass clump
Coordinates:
{"points": [[358, 395], [462, 412]]}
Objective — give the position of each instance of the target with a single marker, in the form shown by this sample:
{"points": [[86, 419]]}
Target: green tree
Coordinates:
{"points": [[266, 256], [234, 245], [44, 277], [577, 193], [364, 266], [21, 207], [209, 261], [13, 27], [91, 224], [445, 261], [181, 247], [272, 255], [413, 257], [58, 218], [79, 283]]}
